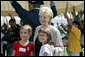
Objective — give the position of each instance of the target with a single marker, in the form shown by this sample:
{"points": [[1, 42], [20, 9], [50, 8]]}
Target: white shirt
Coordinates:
{"points": [[45, 48]]}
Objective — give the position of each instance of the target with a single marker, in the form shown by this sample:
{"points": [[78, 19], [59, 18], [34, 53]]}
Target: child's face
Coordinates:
{"points": [[42, 37], [24, 34], [44, 19], [12, 24], [75, 25]]}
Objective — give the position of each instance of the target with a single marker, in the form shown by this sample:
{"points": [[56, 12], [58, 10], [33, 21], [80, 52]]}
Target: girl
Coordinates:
{"points": [[24, 47], [45, 38], [45, 19]]}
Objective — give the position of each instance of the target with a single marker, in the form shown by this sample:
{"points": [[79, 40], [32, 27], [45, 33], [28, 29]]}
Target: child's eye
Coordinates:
{"points": [[25, 32]]}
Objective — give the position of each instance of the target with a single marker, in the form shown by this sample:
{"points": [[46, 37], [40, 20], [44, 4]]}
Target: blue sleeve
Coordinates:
{"points": [[53, 7], [19, 10]]}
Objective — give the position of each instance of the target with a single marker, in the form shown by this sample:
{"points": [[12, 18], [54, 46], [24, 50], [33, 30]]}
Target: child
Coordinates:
{"points": [[74, 37], [45, 38], [46, 15], [24, 47]]}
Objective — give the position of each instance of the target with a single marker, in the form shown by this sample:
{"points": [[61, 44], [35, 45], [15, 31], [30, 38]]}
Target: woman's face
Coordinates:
{"points": [[42, 37], [44, 19], [24, 34]]}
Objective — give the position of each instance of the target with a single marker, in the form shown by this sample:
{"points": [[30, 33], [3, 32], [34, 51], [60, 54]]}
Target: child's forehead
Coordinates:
{"points": [[24, 29], [42, 33]]}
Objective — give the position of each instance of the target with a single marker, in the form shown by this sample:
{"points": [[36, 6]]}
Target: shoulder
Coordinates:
{"points": [[31, 44], [38, 27], [75, 29], [36, 11], [45, 46], [54, 29], [16, 42]]}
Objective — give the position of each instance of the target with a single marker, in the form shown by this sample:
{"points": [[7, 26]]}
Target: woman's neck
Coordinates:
{"points": [[45, 26]]}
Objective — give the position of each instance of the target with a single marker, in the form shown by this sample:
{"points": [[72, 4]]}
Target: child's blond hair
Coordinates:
{"points": [[27, 27]]}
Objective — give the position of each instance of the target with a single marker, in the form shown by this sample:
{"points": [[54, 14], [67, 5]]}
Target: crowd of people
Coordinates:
{"points": [[36, 36]]}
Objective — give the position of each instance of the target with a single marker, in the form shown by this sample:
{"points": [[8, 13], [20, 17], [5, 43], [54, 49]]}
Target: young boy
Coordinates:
{"points": [[74, 47]]}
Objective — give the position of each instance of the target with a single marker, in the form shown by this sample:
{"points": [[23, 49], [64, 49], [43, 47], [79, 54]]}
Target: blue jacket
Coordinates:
{"points": [[29, 17]]}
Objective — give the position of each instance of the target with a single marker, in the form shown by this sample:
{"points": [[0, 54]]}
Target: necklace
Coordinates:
{"points": [[23, 43]]}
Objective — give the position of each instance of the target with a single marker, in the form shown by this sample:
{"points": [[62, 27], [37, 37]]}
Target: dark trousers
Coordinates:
{"points": [[5, 49], [81, 53], [37, 47]]}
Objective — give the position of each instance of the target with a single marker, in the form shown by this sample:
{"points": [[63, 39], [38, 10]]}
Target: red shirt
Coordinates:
{"points": [[23, 50]]}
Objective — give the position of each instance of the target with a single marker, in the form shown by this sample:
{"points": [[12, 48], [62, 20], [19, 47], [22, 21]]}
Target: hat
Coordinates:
{"points": [[36, 2]]}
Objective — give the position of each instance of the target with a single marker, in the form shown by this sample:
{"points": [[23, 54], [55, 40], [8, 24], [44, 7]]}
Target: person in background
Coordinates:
{"points": [[74, 47], [24, 47], [4, 29], [21, 23], [46, 39], [12, 35], [12, 17], [82, 36], [53, 7], [30, 17], [2, 35]]}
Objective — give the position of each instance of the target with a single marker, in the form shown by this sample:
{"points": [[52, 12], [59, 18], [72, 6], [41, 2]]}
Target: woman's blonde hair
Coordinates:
{"points": [[48, 33], [48, 11], [27, 27]]}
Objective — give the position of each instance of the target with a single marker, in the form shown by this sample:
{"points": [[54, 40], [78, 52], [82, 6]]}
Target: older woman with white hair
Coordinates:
{"points": [[46, 15]]}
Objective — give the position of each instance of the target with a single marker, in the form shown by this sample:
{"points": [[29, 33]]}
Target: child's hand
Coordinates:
{"points": [[52, 48]]}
